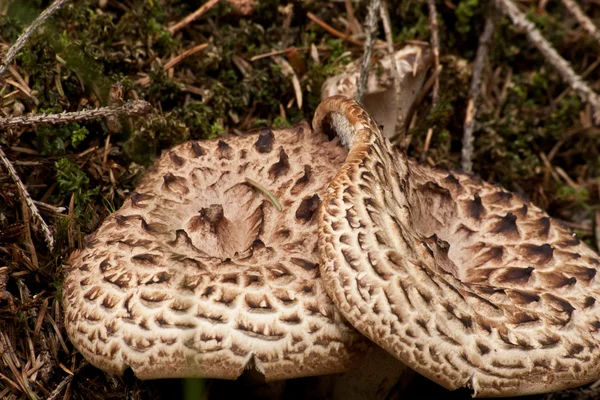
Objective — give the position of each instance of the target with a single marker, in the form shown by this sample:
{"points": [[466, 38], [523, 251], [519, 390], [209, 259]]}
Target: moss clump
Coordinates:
{"points": [[72, 181]]}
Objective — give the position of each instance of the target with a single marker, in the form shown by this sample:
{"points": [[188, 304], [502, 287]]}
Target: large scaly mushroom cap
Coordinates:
{"points": [[465, 282], [198, 274]]}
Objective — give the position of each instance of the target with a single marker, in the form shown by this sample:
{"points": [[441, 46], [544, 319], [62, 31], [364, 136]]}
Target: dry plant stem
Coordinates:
{"points": [[435, 44], [474, 92], [30, 204], [585, 22], [552, 56], [195, 15], [136, 107], [331, 30], [370, 27], [15, 48], [387, 28], [176, 60], [60, 387]]}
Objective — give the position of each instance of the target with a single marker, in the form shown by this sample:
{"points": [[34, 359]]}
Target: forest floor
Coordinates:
{"points": [[533, 135]]}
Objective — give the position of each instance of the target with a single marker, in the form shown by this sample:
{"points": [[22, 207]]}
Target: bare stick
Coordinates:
{"points": [[474, 92], [585, 22], [552, 56], [387, 28], [15, 48], [176, 60], [195, 15], [60, 387], [331, 30], [136, 107], [370, 27], [435, 44], [30, 204]]}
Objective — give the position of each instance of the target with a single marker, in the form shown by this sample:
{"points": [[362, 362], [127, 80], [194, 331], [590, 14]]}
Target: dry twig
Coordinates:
{"points": [[552, 56], [585, 22], [177, 59], [387, 28], [474, 92], [15, 48], [132, 108], [332, 30], [25, 195], [370, 27], [435, 44], [193, 16]]}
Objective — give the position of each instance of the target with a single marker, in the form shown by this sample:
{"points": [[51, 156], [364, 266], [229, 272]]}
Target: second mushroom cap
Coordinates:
{"points": [[466, 283]]}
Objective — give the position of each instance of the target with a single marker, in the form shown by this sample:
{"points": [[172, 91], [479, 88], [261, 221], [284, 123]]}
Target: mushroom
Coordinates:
{"points": [[465, 282], [380, 98], [211, 266]]}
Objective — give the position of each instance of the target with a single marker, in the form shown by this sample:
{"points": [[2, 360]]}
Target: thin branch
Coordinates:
{"points": [[331, 30], [193, 16], [370, 27], [474, 92], [136, 107], [583, 20], [552, 56], [60, 387], [30, 204], [435, 44], [387, 28], [15, 48]]}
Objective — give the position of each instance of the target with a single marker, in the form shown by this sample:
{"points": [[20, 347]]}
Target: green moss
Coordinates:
{"points": [[53, 139], [579, 196], [279, 123], [465, 11], [73, 181]]}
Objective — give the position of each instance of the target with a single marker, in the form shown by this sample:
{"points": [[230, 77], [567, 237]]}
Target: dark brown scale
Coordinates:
{"points": [[500, 198], [137, 199], [539, 254], [303, 181], [475, 208], [522, 298], [154, 297], [519, 276], [304, 264], [494, 254], [520, 318], [198, 150], [160, 277], [224, 150], [281, 167], [307, 208], [264, 143], [483, 349], [293, 319], [178, 161], [507, 226], [145, 259], [543, 229], [230, 279], [120, 280]]}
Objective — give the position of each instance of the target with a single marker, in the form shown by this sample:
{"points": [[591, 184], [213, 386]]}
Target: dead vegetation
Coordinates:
{"points": [[222, 72]]}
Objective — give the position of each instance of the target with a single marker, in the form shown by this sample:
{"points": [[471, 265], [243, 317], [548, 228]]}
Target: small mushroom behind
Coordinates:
{"points": [[380, 98], [466, 283], [200, 274]]}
